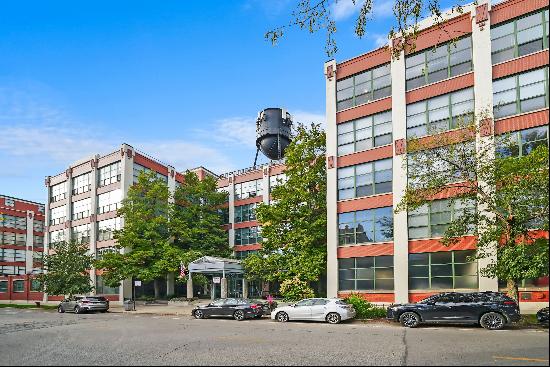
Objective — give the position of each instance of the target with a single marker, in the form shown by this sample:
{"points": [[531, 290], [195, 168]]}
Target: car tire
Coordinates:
{"points": [[60, 309], [238, 315], [104, 311], [409, 319], [198, 314], [281, 316], [492, 321], [333, 318], [78, 310]]}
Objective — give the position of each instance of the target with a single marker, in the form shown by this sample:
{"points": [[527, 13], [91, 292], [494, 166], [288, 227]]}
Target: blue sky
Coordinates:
{"points": [[179, 80]]}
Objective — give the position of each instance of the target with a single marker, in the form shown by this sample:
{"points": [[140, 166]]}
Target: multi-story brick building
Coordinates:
{"points": [[489, 58], [21, 248]]}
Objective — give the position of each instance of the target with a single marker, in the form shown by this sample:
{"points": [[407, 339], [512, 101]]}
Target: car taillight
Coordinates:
{"points": [[513, 303], [254, 306]]}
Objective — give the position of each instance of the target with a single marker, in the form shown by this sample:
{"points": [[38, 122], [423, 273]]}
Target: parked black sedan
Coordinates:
{"points": [[492, 310], [237, 308], [542, 316]]}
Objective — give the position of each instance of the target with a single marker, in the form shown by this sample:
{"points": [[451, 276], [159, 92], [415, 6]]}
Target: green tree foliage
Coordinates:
{"points": [[295, 289], [511, 195], [196, 219], [66, 269], [294, 224]]}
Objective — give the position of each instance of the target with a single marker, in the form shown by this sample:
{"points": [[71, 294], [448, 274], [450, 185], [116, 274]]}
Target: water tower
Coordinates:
{"points": [[273, 133]]}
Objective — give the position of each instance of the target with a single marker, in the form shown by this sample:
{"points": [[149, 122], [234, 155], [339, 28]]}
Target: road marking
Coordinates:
{"points": [[521, 359], [175, 318]]}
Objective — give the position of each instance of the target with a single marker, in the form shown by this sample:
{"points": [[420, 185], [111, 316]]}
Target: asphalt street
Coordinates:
{"points": [[29, 337]]}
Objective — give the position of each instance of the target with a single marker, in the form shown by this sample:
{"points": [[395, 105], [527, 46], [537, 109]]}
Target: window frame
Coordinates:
{"points": [[373, 172], [355, 222], [370, 80], [374, 268], [372, 136]]}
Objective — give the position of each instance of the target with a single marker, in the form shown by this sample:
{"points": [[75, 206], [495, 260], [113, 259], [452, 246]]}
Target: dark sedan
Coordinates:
{"points": [[237, 308], [542, 316], [492, 310]]}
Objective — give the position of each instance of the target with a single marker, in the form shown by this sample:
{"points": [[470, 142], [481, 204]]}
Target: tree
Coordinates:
{"points": [[145, 249], [316, 15], [294, 224], [508, 199], [66, 269], [196, 222]]}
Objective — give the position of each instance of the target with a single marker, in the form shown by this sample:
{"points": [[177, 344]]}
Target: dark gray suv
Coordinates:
{"points": [[492, 310], [83, 304]]}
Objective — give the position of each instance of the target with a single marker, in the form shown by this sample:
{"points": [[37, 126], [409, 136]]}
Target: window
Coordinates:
{"points": [[81, 208], [109, 174], [7, 238], [245, 213], [41, 208], [104, 250], [38, 241], [57, 236], [3, 286], [101, 288], [441, 113], [442, 62], [519, 37], [365, 133], [58, 215], [9, 201], [12, 270], [20, 239], [364, 87], [365, 273], [106, 228], [38, 226], [18, 286], [365, 226], [82, 184], [443, 270], [365, 179], [248, 189], [432, 220], [277, 180], [248, 236], [81, 233], [10, 221], [36, 286], [225, 190], [58, 192], [243, 254], [138, 168], [109, 201], [520, 93], [520, 143]]}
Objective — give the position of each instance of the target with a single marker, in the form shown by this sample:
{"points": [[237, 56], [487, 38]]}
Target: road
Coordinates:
{"points": [[29, 337]]}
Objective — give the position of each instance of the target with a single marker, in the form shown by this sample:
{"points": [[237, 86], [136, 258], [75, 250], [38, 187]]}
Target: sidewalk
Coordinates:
{"points": [[155, 309]]}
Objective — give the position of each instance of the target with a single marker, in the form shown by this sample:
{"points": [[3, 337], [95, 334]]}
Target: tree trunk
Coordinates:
{"points": [[156, 286], [512, 287]]}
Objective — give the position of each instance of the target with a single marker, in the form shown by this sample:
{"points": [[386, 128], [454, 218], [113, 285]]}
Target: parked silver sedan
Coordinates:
{"points": [[331, 310], [82, 304]]}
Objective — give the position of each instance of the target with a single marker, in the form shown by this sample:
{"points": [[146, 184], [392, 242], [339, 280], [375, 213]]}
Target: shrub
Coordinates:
{"points": [[295, 289], [365, 309]]}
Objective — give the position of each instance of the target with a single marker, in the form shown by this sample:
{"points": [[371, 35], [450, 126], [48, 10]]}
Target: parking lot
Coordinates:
{"points": [[45, 337]]}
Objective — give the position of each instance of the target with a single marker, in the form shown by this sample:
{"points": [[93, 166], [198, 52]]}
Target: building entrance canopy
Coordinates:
{"points": [[215, 266]]}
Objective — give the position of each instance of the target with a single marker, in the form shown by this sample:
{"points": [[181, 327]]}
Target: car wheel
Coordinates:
{"points": [[492, 321], [60, 309], [281, 316], [333, 318], [77, 309], [409, 319], [198, 314], [238, 315]]}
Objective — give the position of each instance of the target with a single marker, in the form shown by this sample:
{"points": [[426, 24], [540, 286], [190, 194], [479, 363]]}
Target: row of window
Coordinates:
{"points": [[244, 254], [138, 168], [245, 213], [19, 239], [106, 202], [11, 221], [520, 143], [365, 133], [363, 87], [18, 286], [105, 231], [248, 189], [12, 270], [365, 226], [11, 255], [365, 179], [248, 236], [436, 270]]}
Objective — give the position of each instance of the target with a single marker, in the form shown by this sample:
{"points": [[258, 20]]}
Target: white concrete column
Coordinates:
{"points": [[483, 101], [266, 188], [47, 224], [332, 180], [127, 176], [231, 232], [400, 228], [223, 287], [170, 278], [93, 217], [190, 286], [245, 288], [29, 243], [69, 206]]}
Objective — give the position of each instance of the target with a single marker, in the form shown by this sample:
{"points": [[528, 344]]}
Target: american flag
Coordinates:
{"points": [[182, 270]]}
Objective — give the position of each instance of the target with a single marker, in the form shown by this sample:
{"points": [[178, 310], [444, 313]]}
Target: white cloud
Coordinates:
{"points": [[306, 117], [379, 39]]}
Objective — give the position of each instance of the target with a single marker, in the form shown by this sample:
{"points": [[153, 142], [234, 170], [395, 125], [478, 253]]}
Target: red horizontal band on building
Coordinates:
{"points": [[445, 138], [369, 202], [13, 230], [151, 164], [255, 199], [365, 250], [364, 62], [515, 8], [441, 33], [365, 156], [363, 110], [440, 88], [371, 297], [435, 245], [248, 176], [253, 247], [521, 64], [252, 223], [276, 170], [107, 188], [107, 243], [521, 122], [12, 263]]}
